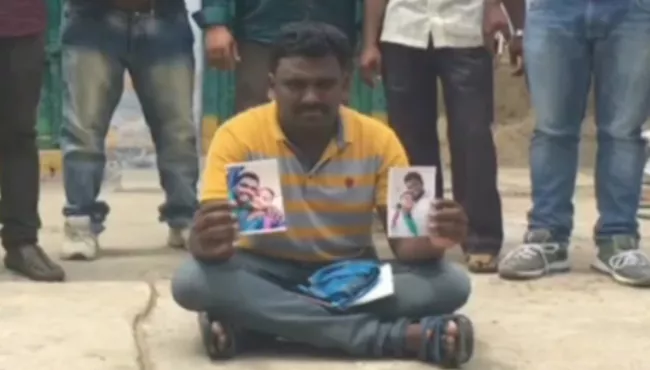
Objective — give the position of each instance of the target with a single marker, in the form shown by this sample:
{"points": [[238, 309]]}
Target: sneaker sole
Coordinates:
{"points": [[39, 278], [179, 246], [602, 268], [553, 268], [78, 257]]}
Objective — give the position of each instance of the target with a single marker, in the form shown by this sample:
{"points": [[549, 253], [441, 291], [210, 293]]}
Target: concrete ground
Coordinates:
{"points": [[117, 313]]}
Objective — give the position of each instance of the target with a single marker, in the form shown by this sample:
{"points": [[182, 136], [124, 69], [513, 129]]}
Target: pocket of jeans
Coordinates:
{"points": [[69, 24], [180, 24], [643, 5], [187, 29], [531, 4], [540, 4]]}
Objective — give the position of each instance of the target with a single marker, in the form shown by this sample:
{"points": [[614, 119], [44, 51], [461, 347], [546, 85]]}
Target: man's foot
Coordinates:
{"points": [[414, 338], [619, 256], [32, 262], [223, 341], [220, 340], [79, 240], [540, 255], [178, 238], [446, 340], [482, 263]]}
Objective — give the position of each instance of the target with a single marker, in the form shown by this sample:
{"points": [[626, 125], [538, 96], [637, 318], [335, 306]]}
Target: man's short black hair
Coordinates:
{"points": [[311, 39], [250, 175], [413, 176]]}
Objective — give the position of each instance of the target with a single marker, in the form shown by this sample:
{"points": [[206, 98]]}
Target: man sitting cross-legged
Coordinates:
{"points": [[334, 165]]}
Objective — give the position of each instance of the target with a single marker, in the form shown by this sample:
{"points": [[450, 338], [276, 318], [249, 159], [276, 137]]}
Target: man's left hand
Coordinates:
{"points": [[516, 51], [495, 20], [447, 224]]}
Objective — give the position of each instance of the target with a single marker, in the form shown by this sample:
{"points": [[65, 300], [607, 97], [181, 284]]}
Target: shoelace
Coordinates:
{"points": [[529, 251], [628, 258], [81, 235]]}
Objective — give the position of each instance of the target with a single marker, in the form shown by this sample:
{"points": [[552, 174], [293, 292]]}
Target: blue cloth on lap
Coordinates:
{"points": [[342, 283]]}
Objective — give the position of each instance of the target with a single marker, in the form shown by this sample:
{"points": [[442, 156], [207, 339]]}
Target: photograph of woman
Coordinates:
{"points": [[255, 188]]}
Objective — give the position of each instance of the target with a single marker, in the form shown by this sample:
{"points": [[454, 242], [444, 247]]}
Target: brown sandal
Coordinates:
{"points": [[482, 263]]}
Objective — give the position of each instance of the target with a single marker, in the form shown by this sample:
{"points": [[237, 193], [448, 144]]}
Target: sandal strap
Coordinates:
{"points": [[399, 348], [205, 326], [433, 347], [433, 328]]}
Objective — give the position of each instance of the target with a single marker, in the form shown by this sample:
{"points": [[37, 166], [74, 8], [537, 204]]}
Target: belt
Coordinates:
{"points": [[142, 6]]}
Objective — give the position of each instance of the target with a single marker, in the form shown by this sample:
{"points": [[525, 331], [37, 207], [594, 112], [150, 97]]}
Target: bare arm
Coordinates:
{"points": [[372, 20], [410, 249]]}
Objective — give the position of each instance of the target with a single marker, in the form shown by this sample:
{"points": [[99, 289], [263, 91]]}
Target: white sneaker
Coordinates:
{"points": [[178, 238], [79, 241]]}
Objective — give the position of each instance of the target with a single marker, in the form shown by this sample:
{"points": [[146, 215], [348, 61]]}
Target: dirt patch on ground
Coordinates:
{"points": [[514, 124]]}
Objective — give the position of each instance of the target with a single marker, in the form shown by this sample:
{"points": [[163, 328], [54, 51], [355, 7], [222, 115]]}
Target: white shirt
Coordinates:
{"points": [[449, 23], [420, 214]]}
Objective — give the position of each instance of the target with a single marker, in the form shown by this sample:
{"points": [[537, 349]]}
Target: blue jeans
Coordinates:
{"points": [[566, 45], [156, 50]]}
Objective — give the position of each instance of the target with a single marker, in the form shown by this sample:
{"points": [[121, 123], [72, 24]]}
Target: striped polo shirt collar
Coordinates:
{"points": [[343, 137]]}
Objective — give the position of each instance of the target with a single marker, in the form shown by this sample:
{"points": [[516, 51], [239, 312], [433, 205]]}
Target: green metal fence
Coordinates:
{"points": [[50, 111]]}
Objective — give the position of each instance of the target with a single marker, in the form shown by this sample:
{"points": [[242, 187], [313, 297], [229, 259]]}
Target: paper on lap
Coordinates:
{"points": [[385, 287]]}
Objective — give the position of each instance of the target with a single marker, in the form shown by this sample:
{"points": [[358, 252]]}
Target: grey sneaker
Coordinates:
{"points": [[79, 240], [619, 256], [537, 257], [178, 238]]}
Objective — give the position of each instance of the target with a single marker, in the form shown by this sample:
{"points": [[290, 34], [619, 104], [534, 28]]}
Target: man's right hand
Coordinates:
{"points": [[516, 51], [370, 64], [214, 231], [221, 48]]}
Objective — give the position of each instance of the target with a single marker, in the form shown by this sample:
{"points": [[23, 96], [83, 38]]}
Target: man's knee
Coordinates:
{"points": [[460, 286], [448, 287], [202, 286], [188, 286]]}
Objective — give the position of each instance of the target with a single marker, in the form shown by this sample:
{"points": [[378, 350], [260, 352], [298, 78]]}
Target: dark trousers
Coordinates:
{"points": [[22, 62], [410, 78], [252, 75]]}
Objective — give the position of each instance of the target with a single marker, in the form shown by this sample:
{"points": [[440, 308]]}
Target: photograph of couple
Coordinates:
{"points": [[410, 192], [255, 188]]}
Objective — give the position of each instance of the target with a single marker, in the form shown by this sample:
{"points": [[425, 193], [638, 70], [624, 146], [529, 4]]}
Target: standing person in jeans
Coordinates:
{"points": [[419, 42], [152, 40], [566, 46], [22, 62], [238, 36]]}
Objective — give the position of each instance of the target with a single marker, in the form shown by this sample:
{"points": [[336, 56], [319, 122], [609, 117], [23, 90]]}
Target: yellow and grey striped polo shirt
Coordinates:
{"points": [[329, 209]]}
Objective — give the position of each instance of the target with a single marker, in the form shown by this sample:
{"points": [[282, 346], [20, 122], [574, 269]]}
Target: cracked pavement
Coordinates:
{"points": [[117, 313]]}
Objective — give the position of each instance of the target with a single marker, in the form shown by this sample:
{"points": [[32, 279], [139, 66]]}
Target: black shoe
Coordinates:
{"points": [[31, 262]]}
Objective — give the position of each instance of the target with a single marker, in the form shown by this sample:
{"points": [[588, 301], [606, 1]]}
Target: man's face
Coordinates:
{"points": [[308, 92], [415, 187], [246, 190]]}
